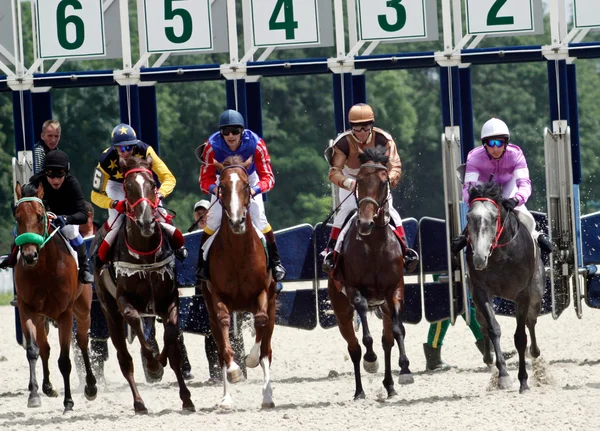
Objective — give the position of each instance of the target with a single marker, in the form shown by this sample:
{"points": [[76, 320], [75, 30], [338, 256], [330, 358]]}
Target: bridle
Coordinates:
{"points": [[246, 187], [130, 212], [32, 237], [499, 225], [379, 206]]}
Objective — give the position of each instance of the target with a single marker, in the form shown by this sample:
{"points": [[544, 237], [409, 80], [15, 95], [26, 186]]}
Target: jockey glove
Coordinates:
{"points": [[120, 207], [510, 204], [60, 221]]}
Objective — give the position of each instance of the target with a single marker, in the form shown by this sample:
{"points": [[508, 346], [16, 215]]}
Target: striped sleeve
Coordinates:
{"points": [[208, 172], [262, 160]]}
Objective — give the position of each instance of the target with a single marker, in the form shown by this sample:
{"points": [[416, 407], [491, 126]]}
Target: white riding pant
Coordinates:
{"points": [[70, 231], [526, 218], [115, 191], [257, 211]]}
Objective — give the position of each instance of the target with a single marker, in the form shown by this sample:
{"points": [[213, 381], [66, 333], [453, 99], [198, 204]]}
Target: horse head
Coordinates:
{"points": [[484, 221], [32, 222], [140, 193], [372, 190], [233, 191]]}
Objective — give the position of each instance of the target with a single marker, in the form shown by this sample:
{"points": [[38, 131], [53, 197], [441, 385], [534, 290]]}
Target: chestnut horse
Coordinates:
{"points": [[47, 287], [239, 279], [369, 273], [144, 282]]}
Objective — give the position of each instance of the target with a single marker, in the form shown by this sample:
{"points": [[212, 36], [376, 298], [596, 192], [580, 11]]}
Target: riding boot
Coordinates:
{"points": [[279, 271], [85, 274], [459, 242], [329, 253], [202, 266], [177, 241], [545, 244], [411, 257], [433, 356], [11, 260]]}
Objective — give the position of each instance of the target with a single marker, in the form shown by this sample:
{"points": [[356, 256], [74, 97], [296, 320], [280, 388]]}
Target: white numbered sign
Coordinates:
{"points": [[391, 19], [178, 25], [284, 22], [499, 16], [70, 28], [587, 13]]}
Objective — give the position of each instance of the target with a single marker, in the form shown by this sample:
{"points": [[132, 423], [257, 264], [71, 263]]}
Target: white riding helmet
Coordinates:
{"points": [[494, 127]]}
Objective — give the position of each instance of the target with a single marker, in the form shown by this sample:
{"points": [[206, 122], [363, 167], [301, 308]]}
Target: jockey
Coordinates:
{"points": [[108, 193], [508, 165], [63, 196], [343, 158], [233, 139]]}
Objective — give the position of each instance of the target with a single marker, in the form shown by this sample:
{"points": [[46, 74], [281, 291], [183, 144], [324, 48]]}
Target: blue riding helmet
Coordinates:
{"points": [[123, 134], [231, 118]]}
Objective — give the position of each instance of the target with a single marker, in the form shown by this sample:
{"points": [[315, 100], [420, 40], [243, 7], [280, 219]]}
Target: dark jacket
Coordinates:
{"points": [[67, 201]]}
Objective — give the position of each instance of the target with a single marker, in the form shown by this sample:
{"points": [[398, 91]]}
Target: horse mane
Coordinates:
{"points": [[233, 160], [29, 190], [490, 189], [376, 155]]}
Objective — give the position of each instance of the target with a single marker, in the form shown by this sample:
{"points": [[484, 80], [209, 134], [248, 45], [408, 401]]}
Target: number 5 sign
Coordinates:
{"points": [[70, 28], [284, 22]]}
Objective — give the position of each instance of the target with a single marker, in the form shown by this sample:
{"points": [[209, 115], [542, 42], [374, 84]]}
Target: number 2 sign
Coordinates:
{"points": [[284, 22], [70, 28], [500, 16]]}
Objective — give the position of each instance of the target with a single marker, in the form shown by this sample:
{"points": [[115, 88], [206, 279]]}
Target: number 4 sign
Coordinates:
{"points": [[284, 22], [70, 28]]}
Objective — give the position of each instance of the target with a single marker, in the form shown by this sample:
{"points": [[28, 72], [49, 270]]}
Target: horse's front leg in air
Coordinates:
{"points": [[360, 304], [133, 319], [484, 306], [171, 346], [33, 353], [65, 332]]}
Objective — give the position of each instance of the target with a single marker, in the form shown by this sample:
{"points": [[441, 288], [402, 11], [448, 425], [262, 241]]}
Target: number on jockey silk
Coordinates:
{"points": [[186, 20], [97, 184], [288, 24], [494, 19], [63, 21], [400, 16]]}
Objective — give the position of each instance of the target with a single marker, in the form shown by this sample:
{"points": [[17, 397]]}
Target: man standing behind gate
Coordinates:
{"points": [[50, 138]]}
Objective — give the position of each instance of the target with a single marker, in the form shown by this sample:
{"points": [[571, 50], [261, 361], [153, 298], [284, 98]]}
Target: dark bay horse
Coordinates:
{"points": [[144, 282], [370, 273], [503, 260], [239, 280], [47, 287]]}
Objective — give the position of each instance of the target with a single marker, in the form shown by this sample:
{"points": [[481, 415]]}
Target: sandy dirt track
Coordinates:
{"points": [[313, 386]]}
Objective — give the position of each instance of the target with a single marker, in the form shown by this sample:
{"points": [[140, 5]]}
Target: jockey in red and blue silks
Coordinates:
{"points": [[506, 162], [233, 139]]}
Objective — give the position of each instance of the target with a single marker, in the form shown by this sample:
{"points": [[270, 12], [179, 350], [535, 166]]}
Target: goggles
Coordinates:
{"points": [[494, 143], [362, 128], [125, 148], [231, 130], [55, 174]]}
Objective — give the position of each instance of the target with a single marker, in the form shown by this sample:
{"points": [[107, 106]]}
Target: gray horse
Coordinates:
{"points": [[504, 261]]}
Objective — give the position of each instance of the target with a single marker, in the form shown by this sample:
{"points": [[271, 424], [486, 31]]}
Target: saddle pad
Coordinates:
{"points": [[211, 239], [340, 240]]}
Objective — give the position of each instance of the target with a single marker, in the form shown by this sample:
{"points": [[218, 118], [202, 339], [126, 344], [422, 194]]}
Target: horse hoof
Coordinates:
{"points": [[226, 403], [34, 402], [49, 391], [504, 382], [371, 367], [359, 396], [251, 361], [140, 408], [91, 392], [269, 405], [235, 376], [524, 388], [406, 379], [189, 407], [392, 393], [155, 376], [261, 320]]}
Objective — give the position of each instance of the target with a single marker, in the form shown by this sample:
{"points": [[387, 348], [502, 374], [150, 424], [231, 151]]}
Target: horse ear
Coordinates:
{"points": [[247, 163], [218, 165], [40, 191], [18, 190]]}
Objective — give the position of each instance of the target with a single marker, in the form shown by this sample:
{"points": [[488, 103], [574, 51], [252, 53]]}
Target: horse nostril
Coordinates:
{"points": [[243, 220]]}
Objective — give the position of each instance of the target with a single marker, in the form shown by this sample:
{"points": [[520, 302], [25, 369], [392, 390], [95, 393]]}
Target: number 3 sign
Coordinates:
{"points": [[70, 28]]}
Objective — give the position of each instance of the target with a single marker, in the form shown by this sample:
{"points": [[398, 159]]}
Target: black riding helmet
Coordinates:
{"points": [[57, 159]]}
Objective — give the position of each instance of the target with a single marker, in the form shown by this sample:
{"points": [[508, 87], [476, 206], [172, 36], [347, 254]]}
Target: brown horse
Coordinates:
{"points": [[47, 287], [369, 274], [144, 282], [239, 280]]}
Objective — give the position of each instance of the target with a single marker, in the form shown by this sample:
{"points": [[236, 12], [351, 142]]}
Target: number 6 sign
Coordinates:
{"points": [[70, 28]]}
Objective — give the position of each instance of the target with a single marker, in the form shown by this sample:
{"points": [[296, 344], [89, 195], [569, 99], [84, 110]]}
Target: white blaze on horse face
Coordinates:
{"points": [[482, 238], [235, 199], [139, 178]]}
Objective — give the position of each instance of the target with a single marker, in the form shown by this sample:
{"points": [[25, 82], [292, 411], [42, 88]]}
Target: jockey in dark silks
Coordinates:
{"points": [[62, 196], [233, 139], [506, 162], [108, 190], [343, 158]]}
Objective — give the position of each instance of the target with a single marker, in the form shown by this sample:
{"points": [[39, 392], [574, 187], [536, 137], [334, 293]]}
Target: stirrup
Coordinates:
{"points": [[181, 253], [279, 272], [328, 262], [85, 277]]}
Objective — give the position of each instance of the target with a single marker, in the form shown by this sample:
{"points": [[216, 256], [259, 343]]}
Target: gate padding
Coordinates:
{"points": [[590, 241]]}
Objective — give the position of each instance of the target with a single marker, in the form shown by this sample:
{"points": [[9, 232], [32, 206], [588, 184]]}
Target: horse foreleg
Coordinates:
{"points": [[344, 312], [81, 310], [521, 339], [134, 320], [261, 322], [487, 345], [532, 315], [399, 334], [263, 340], [65, 332], [171, 346], [33, 353], [387, 340], [483, 304], [42, 342], [370, 363]]}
